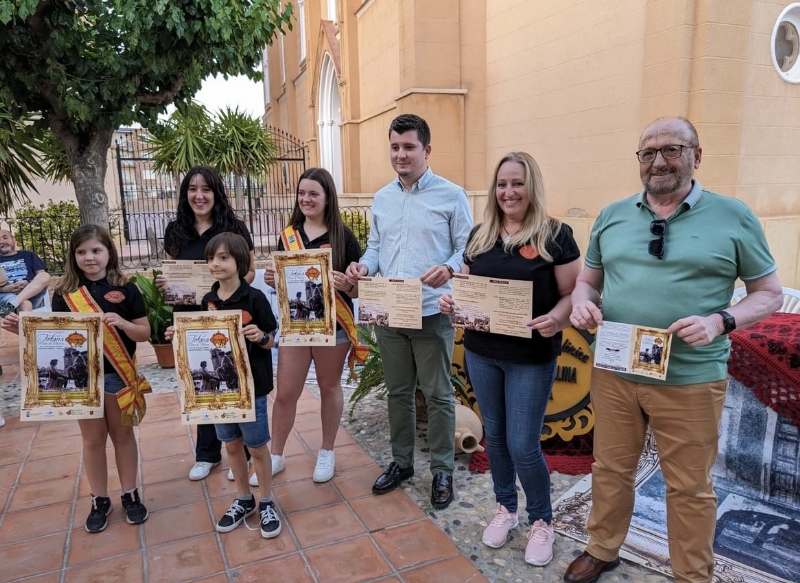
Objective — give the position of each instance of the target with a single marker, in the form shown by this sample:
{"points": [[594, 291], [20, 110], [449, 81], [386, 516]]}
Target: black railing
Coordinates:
{"points": [[50, 240]]}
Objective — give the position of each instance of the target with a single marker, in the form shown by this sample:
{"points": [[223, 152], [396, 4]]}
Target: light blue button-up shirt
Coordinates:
{"points": [[414, 230]]}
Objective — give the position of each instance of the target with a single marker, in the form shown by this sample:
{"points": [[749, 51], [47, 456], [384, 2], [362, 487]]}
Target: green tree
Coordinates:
{"points": [[90, 66], [18, 157]]}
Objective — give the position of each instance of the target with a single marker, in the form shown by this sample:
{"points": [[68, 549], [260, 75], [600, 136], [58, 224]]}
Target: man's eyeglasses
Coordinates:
{"points": [[656, 246], [669, 152]]}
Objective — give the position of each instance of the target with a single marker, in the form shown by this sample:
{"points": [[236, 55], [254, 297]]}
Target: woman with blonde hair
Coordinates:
{"points": [[513, 376]]}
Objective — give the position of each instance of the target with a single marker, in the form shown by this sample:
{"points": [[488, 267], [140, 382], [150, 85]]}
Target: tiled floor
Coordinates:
{"points": [[336, 532]]}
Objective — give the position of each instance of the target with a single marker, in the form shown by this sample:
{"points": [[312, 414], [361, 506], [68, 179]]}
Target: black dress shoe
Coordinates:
{"points": [[441, 490], [391, 478]]}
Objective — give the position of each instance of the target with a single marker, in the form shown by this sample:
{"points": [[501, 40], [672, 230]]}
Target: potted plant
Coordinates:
{"points": [[159, 314]]}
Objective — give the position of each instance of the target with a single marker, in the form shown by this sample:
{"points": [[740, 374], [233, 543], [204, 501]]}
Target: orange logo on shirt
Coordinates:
{"points": [[529, 252], [246, 318], [115, 297]]}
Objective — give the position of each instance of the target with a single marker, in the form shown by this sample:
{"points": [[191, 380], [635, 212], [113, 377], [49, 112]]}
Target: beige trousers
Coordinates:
{"points": [[685, 421]]}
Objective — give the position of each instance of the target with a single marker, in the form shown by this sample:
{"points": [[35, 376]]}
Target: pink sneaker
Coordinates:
{"points": [[540, 544], [496, 534]]}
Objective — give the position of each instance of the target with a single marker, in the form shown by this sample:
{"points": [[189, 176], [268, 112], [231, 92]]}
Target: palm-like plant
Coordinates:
{"points": [[159, 314], [19, 161], [182, 141]]}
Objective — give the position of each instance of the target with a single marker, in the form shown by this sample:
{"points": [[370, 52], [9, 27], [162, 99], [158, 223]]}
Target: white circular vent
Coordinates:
{"points": [[786, 44]]}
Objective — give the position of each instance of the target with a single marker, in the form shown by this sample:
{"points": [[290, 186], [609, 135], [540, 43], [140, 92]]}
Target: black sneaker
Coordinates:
{"points": [[98, 517], [6, 309], [270, 523], [135, 511], [238, 511]]}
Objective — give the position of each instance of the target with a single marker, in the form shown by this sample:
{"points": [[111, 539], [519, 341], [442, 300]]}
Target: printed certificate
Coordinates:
{"points": [[187, 281], [632, 349], [216, 385], [489, 304], [306, 302], [390, 301], [62, 366]]}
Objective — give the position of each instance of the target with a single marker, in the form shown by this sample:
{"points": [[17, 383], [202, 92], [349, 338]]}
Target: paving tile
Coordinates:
{"points": [[48, 448], [42, 493], [298, 467], [119, 538], [171, 494], [379, 512], [152, 449], [164, 430], [156, 400], [357, 482], [35, 522], [289, 569], [5, 493], [54, 577], [218, 484], [308, 404], [395, 580], [184, 560], [51, 468], [176, 523], [294, 446], [32, 557], [162, 413], [17, 434], [113, 487], [414, 543], [8, 475], [453, 570], [304, 495], [352, 456], [126, 569], [12, 454], [306, 422], [313, 439], [166, 469], [57, 430], [348, 561], [320, 526]]}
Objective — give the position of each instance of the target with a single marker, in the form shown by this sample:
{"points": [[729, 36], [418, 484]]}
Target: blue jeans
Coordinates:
{"points": [[512, 398], [254, 434]]}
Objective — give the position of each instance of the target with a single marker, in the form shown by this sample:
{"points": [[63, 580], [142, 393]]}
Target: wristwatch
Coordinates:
{"points": [[264, 340], [450, 269], [728, 321]]}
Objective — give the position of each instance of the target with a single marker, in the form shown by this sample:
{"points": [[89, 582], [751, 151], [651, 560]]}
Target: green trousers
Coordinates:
{"points": [[409, 355]]}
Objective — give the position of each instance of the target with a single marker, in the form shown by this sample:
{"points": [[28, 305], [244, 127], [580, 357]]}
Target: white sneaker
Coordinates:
{"points": [[540, 544], [200, 470], [278, 463], [2, 421], [254, 480], [496, 534], [326, 465], [230, 470]]}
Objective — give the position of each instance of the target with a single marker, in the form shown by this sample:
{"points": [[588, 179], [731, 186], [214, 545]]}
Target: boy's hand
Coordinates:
{"points": [[253, 333], [11, 323], [169, 333]]}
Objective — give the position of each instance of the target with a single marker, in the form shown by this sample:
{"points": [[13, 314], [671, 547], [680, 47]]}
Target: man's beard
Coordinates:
{"points": [[675, 182]]}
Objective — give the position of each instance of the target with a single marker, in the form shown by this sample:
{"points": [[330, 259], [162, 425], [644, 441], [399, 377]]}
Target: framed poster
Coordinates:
{"points": [[306, 301], [633, 349], [62, 366], [187, 281], [214, 379]]}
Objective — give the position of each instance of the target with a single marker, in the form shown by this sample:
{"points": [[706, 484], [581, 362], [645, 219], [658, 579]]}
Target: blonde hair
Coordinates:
{"points": [[73, 274], [538, 229]]}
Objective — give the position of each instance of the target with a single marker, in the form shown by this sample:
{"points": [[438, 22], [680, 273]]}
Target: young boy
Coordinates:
{"points": [[228, 259]]}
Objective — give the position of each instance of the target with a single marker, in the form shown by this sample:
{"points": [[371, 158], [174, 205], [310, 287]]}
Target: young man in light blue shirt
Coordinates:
{"points": [[420, 225]]}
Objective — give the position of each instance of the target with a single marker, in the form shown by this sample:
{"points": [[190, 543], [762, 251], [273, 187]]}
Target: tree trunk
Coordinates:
{"points": [[88, 159]]}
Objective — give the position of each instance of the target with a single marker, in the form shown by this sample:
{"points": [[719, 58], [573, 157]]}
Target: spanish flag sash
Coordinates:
{"points": [[131, 398], [292, 241]]}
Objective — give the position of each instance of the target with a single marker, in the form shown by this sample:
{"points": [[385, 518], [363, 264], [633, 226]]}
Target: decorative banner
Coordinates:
{"points": [[305, 297], [62, 366], [213, 368]]}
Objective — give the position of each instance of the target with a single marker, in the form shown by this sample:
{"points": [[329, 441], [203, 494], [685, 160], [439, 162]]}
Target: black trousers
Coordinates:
{"points": [[207, 447]]}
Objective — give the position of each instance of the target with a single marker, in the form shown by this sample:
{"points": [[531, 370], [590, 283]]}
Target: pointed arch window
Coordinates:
{"points": [[329, 119]]}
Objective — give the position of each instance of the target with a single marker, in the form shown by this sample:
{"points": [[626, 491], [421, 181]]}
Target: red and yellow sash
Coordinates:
{"points": [[292, 241], [131, 398]]}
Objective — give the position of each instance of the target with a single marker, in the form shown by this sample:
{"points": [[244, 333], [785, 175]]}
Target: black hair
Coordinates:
{"points": [[408, 122], [236, 246], [223, 217]]}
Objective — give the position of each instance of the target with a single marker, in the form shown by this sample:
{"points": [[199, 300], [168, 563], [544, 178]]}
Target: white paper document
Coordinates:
{"points": [[490, 304], [390, 301]]}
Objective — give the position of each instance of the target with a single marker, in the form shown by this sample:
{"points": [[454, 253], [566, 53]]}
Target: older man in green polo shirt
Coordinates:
{"points": [[667, 257]]}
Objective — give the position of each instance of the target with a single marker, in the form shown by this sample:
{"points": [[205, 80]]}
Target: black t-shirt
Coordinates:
{"points": [[195, 250], [255, 310], [125, 300], [497, 263], [352, 252]]}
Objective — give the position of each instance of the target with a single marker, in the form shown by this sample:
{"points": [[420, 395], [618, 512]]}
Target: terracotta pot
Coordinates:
{"points": [[164, 355]]}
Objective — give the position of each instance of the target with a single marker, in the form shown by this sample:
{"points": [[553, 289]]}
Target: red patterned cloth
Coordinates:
{"points": [[766, 358], [572, 457]]}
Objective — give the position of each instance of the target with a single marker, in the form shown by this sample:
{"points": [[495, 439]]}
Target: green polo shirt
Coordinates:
{"points": [[710, 241]]}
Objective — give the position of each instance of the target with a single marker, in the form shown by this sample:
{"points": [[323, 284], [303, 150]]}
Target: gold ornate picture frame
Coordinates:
{"points": [[62, 366], [651, 352], [216, 384], [306, 301]]}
